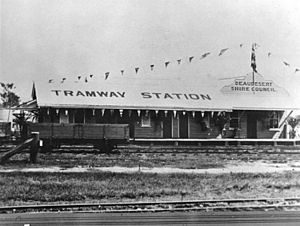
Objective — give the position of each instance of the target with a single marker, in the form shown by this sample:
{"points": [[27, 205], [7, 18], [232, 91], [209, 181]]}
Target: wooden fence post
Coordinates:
{"points": [[34, 146]]}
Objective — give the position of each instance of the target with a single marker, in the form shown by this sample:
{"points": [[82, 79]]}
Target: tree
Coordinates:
{"points": [[293, 122], [8, 96]]}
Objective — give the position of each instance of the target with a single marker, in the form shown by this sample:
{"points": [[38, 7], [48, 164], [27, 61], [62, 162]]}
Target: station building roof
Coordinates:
{"points": [[179, 92]]}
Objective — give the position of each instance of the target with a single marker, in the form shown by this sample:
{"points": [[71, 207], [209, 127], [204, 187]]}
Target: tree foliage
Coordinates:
{"points": [[293, 122], [8, 97]]}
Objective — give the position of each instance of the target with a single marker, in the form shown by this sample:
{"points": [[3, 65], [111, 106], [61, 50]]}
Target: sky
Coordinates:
{"points": [[53, 39]]}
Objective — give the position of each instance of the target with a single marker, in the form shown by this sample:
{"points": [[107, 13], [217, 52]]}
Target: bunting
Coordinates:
{"points": [[222, 51], [190, 59], [106, 75], [204, 55], [286, 64]]}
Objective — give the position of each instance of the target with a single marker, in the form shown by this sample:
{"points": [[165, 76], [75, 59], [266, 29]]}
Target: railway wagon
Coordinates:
{"points": [[102, 136]]}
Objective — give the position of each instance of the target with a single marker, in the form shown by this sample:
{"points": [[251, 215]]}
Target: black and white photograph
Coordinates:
{"points": [[149, 112]]}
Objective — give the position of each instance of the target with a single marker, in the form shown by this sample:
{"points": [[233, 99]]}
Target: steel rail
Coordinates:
{"points": [[166, 205], [182, 151]]}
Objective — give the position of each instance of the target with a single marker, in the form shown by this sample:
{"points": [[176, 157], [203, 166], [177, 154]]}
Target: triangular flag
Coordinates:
{"points": [[106, 75], [179, 61], [222, 51], [191, 58], [167, 63], [79, 77], [136, 70], [204, 55], [297, 69], [286, 64], [122, 72], [50, 81], [152, 66], [33, 93]]}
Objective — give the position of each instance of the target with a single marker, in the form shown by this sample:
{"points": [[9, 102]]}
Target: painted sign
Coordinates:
{"points": [[256, 85], [122, 94]]}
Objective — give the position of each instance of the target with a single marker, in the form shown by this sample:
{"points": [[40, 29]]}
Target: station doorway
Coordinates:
{"points": [[183, 126], [252, 125], [167, 126]]}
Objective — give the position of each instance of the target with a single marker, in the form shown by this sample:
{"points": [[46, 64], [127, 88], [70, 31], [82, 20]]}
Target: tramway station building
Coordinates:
{"points": [[172, 108]]}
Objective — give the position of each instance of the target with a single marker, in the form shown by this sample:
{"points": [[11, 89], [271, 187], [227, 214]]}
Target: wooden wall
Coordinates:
{"points": [[175, 127], [155, 130], [262, 124], [201, 127], [242, 131], [198, 127]]}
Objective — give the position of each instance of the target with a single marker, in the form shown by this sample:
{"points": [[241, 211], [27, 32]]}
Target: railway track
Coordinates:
{"points": [[262, 204], [212, 149], [185, 150], [242, 149]]}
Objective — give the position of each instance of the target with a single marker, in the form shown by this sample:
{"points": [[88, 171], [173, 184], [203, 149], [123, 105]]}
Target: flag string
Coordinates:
{"points": [[190, 59]]}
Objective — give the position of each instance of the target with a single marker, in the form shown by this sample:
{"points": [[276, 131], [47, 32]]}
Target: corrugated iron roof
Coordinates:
{"points": [[200, 93]]}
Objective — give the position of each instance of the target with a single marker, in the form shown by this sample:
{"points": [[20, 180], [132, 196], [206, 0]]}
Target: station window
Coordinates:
{"points": [[54, 114], [79, 116], [145, 120], [90, 116], [234, 119], [274, 120], [63, 116]]}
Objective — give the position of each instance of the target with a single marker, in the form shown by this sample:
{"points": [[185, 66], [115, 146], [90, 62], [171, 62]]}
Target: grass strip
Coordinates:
{"points": [[19, 188]]}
